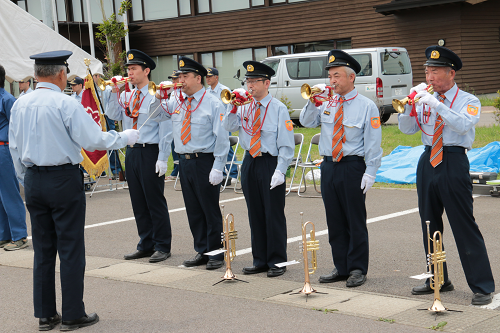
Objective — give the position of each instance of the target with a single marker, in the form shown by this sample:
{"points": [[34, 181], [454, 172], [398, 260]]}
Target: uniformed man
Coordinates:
{"points": [[173, 175], [350, 143], [447, 119], [202, 145], [47, 131], [266, 133], [24, 87], [145, 162], [77, 87], [13, 232], [215, 87]]}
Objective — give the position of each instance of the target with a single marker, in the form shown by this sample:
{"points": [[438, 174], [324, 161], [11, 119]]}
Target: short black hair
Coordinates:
{"points": [[144, 68], [2, 76]]}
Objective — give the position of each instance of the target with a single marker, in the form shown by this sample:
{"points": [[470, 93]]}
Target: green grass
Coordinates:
{"points": [[485, 101]]}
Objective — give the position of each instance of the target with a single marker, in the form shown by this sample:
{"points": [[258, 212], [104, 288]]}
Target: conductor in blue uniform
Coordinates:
{"points": [[447, 119], [47, 131], [350, 143], [266, 133]]}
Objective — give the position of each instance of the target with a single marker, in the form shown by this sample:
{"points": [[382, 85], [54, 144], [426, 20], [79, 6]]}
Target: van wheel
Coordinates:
{"points": [[384, 117]]}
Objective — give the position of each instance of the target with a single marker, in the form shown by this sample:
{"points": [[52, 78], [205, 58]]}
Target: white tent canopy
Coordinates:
{"points": [[22, 35]]}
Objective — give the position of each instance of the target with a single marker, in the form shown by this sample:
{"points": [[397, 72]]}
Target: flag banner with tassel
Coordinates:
{"points": [[94, 162]]}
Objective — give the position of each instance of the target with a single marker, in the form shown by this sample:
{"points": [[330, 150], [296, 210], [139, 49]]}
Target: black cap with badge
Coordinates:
{"points": [[175, 75], [187, 65], [212, 71], [442, 57], [340, 58], [136, 57], [75, 81], [52, 58], [258, 69]]}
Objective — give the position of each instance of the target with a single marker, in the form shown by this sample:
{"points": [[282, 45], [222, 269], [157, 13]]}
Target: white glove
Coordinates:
{"points": [[320, 86], [418, 88], [132, 136], [215, 177], [367, 182], [426, 98], [161, 167], [278, 179]]}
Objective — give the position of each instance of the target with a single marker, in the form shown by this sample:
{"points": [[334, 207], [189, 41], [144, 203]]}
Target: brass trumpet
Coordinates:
{"points": [[307, 92], [229, 97], [309, 246], [102, 84], [436, 259], [399, 104], [153, 88]]}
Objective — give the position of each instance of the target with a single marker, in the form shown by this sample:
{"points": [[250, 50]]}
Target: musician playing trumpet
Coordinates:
{"points": [[266, 133], [350, 143]]}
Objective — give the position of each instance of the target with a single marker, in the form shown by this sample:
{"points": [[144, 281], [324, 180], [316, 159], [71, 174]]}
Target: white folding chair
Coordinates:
{"points": [[234, 141], [177, 178], [308, 164], [299, 140]]}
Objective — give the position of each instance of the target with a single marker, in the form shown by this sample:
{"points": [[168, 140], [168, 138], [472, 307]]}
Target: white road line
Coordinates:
{"points": [[494, 304]]}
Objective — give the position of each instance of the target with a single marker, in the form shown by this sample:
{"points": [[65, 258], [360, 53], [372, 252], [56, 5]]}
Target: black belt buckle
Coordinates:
{"points": [[188, 156]]}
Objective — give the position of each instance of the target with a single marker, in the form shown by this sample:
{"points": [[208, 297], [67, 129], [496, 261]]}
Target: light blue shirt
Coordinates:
{"points": [[152, 131], [24, 93], [207, 133], [459, 124], [362, 139], [217, 91], [275, 138], [78, 97], [49, 128]]}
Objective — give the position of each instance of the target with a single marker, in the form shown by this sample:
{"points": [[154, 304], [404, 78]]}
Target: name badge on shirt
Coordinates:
{"points": [[177, 111], [326, 112]]}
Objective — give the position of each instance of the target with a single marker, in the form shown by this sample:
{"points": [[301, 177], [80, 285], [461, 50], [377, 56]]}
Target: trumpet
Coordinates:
{"points": [[229, 237], [436, 259], [229, 97], [309, 246], [152, 87], [307, 92], [102, 84], [399, 104]]}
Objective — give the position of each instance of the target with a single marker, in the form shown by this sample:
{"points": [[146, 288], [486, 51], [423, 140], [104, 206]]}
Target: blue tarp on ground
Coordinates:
{"points": [[400, 166]]}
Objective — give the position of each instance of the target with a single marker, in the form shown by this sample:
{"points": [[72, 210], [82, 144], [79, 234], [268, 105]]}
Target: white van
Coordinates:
{"points": [[385, 74]]}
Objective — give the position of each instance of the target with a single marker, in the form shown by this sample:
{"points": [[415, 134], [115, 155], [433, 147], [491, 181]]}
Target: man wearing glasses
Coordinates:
{"points": [[266, 133]]}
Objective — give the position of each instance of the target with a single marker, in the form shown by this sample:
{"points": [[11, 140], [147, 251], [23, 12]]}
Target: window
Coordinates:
{"points": [[149, 10], [77, 10], [34, 7], [273, 64], [325, 45], [277, 2], [365, 61], [217, 6], [306, 68], [395, 62]]}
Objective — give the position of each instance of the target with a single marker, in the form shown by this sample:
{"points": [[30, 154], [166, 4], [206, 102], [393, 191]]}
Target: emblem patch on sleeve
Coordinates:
{"points": [[375, 122], [221, 116], [472, 110], [289, 125]]}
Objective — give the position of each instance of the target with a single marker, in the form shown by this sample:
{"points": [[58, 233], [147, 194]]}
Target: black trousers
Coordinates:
{"points": [[56, 202], [266, 210], [202, 202], [148, 202], [448, 186], [346, 213]]}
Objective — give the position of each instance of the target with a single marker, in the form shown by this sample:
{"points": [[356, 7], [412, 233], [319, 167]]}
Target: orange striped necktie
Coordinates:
{"points": [[437, 139], [338, 133], [186, 124], [255, 145], [137, 106]]}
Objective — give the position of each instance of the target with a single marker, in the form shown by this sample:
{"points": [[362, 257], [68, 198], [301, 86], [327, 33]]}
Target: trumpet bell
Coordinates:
{"points": [[226, 96], [399, 104], [152, 88], [306, 91], [101, 84]]}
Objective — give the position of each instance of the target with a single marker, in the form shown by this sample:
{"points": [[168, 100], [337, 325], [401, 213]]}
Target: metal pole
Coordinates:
{"points": [[125, 23], [54, 16], [47, 13], [91, 30]]}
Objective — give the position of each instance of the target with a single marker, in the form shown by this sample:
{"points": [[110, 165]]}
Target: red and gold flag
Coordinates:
{"points": [[94, 162]]}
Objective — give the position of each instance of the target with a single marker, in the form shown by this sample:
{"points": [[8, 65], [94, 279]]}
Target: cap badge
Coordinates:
{"points": [[435, 54], [331, 59], [181, 63], [209, 70], [130, 56], [250, 68]]}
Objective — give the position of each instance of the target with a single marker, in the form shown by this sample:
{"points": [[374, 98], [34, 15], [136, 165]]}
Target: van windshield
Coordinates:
{"points": [[273, 64], [395, 62]]}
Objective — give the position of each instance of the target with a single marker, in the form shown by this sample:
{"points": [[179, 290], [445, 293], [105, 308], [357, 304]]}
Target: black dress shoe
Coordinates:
{"points": [[334, 276], [482, 299], [425, 289], [46, 324], [159, 256], [87, 320], [197, 260], [214, 264], [254, 270], [276, 271], [356, 278], [138, 254]]}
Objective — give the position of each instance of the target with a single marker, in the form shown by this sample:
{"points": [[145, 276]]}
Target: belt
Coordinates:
{"points": [[450, 149], [194, 155], [55, 167], [349, 158], [143, 145], [4, 143], [261, 154]]}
